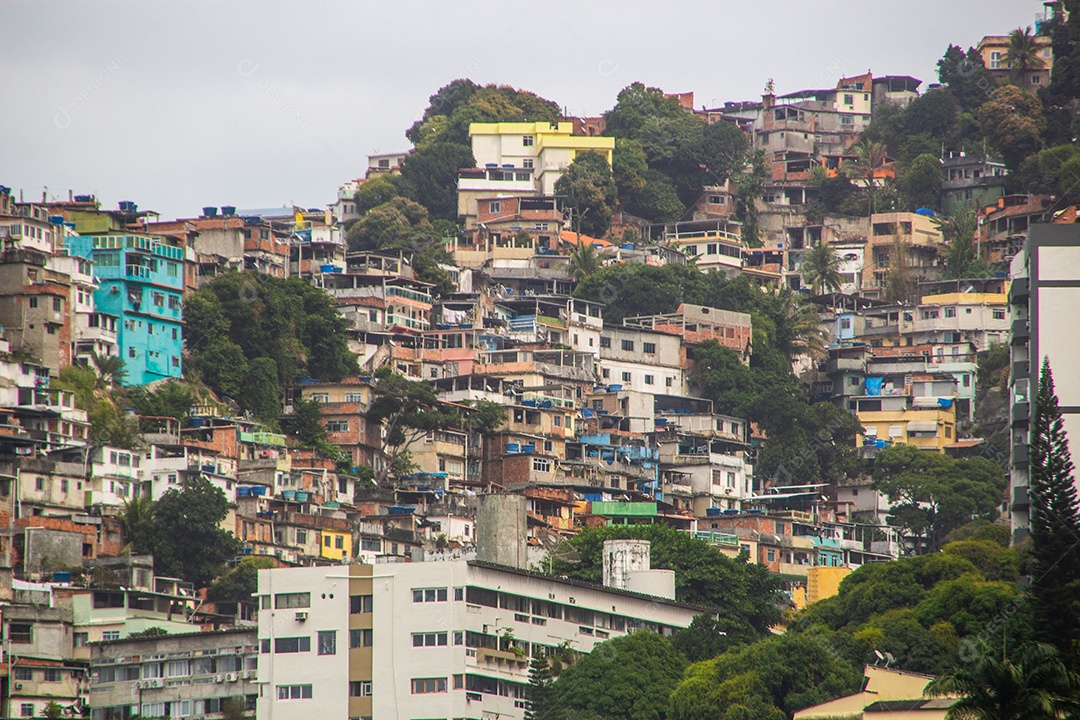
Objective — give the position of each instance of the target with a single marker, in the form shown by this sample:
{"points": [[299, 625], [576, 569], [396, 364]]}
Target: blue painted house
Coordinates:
{"points": [[141, 280]]}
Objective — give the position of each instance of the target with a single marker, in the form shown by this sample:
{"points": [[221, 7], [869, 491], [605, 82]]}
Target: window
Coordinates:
{"points": [[999, 314], [716, 199], [360, 688], [26, 709], [432, 639], [626, 377], [292, 600], [359, 604], [605, 342], [339, 542], [354, 397], [950, 312], [21, 633], [110, 635], [57, 305], [292, 644], [628, 345], [428, 595], [337, 426], [177, 668], [527, 140], [174, 302], [293, 692], [494, 206], [459, 592], [650, 379], [81, 639], [527, 163], [995, 60], [327, 642], [541, 465], [158, 299], [770, 555], [24, 673], [424, 686], [39, 483], [649, 348], [849, 99], [33, 302], [360, 638]]}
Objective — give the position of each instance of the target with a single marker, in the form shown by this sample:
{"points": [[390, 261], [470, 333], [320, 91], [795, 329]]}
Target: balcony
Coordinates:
{"points": [[1020, 370], [1021, 414], [1018, 291], [1019, 332], [1021, 454], [1020, 499]]}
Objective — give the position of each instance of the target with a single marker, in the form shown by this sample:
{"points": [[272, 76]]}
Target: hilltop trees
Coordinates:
{"points": [[682, 151]]}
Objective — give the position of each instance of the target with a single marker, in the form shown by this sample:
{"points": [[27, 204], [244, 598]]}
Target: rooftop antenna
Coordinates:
{"points": [[557, 548], [889, 659]]}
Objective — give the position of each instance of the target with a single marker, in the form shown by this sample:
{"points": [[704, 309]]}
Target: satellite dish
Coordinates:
{"points": [[880, 657], [889, 659]]}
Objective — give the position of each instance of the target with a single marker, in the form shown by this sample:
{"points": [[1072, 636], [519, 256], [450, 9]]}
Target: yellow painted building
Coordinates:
{"points": [[336, 545], [894, 420], [824, 581], [541, 149], [887, 693]]}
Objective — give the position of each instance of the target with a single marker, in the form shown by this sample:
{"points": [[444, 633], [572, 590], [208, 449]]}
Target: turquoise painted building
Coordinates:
{"points": [[141, 280]]}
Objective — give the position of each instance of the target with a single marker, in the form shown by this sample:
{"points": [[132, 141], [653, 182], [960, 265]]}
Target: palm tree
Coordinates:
{"points": [[869, 156], [110, 369], [135, 519], [961, 252], [584, 261], [1033, 685], [803, 334], [1023, 53], [821, 269]]}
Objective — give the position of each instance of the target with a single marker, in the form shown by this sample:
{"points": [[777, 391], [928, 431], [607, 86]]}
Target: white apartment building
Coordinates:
{"points": [[645, 361], [452, 639]]}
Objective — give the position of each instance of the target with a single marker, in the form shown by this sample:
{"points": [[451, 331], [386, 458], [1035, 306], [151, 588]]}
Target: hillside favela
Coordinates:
{"points": [[747, 408]]}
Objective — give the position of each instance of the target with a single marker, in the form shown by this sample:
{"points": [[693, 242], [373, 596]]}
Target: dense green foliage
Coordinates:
{"points": [[183, 532], [627, 678], [240, 583], [238, 318], [933, 494], [682, 152], [744, 594], [590, 192]]}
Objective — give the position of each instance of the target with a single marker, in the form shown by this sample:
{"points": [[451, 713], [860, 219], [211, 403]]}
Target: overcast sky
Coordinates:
{"points": [[263, 104]]}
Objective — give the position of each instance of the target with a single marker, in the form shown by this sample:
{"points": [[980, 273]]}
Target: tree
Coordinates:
{"points": [[375, 191], [239, 584], [821, 269], [628, 168], [966, 77], [708, 636], [584, 261], [408, 410], [110, 370], [1055, 524], [920, 183], [150, 632], [429, 176], [932, 494], [1023, 53], [1012, 119], [751, 185], [261, 393], [233, 708], [185, 535], [1033, 684], [742, 593], [238, 317], [136, 520], [869, 157], [658, 201], [538, 693], [52, 710], [627, 678], [391, 225], [769, 680], [590, 191], [958, 231], [171, 398]]}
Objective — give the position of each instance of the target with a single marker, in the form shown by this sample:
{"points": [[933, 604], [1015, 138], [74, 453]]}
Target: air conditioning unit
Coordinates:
{"points": [[232, 677], [18, 686], [301, 616], [219, 678]]}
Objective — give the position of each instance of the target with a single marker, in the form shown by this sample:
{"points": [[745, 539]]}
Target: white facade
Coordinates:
{"points": [[449, 639]]}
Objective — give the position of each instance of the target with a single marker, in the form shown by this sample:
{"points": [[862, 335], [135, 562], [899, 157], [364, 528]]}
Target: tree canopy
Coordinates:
{"points": [[590, 193]]}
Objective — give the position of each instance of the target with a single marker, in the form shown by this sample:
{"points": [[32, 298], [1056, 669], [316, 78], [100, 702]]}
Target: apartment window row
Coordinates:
{"points": [[294, 692], [292, 600], [557, 611], [47, 674], [431, 639], [429, 595]]}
